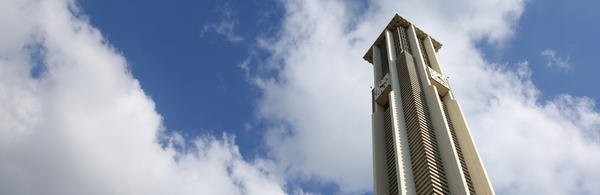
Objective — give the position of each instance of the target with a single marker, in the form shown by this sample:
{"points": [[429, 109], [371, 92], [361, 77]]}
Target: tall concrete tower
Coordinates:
{"points": [[421, 141]]}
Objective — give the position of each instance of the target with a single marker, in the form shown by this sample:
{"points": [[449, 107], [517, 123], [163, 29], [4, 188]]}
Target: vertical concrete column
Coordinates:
{"points": [[433, 61], [406, 182], [479, 176], [380, 183], [456, 181], [417, 55], [377, 75]]}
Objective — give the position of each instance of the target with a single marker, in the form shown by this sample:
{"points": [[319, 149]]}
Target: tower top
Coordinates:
{"points": [[396, 22]]}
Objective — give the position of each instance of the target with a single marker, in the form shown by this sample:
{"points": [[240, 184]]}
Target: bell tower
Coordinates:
{"points": [[421, 141]]}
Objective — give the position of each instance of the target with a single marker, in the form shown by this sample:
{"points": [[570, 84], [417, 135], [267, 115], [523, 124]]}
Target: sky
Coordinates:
{"points": [[273, 96]]}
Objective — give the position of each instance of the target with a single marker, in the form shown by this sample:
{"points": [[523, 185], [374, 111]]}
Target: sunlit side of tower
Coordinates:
{"points": [[421, 141]]}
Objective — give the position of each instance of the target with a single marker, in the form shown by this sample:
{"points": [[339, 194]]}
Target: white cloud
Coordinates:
{"points": [[84, 125], [224, 27], [554, 61], [318, 102]]}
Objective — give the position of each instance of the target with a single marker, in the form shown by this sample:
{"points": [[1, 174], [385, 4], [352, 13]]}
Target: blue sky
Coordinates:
{"points": [[565, 27], [192, 74], [272, 97]]}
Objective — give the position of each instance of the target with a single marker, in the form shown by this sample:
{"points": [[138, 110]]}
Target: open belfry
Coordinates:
{"points": [[421, 141]]}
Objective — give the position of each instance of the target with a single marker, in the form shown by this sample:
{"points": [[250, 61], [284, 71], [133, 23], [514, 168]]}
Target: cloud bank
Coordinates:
{"points": [[317, 100], [73, 120]]}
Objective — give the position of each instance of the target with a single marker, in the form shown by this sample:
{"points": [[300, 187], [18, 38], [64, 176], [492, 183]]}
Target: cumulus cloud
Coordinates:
{"points": [[318, 100], [83, 125], [224, 27], [554, 61]]}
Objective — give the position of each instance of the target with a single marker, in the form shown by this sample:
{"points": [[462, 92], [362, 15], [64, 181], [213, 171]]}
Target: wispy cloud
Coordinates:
{"points": [[225, 26], [556, 62]]}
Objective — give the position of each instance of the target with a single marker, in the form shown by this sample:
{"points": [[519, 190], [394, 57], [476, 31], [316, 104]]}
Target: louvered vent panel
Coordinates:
{"points": [[424, 52], [397, 40], [401, 40], [428, 170], [385, 67], [404, 36], [390, 152]]}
